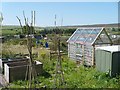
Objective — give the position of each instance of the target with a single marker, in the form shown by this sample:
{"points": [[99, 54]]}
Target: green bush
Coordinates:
{"points": [[43, 55]]}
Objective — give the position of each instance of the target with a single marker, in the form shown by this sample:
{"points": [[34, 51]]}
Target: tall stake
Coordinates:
{"points": [[59, 77], [61, 22], [55, 20], [24, 18], [34, 18], [20, 24], [31, 18]]}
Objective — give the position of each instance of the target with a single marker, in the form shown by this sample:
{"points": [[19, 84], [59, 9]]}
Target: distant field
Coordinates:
{"points": [[12, 29], [15, 27], [10, 32]]}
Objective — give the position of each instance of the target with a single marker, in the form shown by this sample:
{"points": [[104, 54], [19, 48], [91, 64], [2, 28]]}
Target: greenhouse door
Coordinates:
{"points": [[79, 52], [88, 55]]}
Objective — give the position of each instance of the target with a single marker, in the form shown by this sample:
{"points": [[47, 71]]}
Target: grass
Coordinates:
{"points": [[116, 33], [74, 76], [10, 32]]}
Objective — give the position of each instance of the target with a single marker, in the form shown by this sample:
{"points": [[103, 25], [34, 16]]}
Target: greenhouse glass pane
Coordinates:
{"points": [[85, 35], [91, 37]]}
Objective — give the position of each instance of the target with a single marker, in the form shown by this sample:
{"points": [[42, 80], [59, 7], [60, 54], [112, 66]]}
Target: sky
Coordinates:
{"points": [[72, 13]]}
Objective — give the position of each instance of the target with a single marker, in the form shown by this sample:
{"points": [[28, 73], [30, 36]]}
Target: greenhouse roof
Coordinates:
{"points": [[89, 36]]}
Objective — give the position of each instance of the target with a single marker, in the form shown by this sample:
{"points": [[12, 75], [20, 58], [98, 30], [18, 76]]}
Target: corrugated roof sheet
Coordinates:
{"points": [[114, 48]]}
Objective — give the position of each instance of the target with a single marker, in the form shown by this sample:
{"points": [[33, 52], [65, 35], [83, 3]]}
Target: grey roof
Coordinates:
{"points": [[114, 48]]}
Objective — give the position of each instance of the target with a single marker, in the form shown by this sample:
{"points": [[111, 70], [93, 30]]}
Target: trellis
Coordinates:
{"points": [[82, 43]]}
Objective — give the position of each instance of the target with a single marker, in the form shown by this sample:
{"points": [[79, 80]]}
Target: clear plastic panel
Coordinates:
{"points": [[85, 35]]}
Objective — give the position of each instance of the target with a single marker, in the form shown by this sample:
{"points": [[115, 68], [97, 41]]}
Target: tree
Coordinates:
{"points": [[118, 29], [113, 29], [29, 30]]}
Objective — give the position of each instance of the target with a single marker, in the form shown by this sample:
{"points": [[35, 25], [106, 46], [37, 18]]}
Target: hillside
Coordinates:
{"points": [[94, 25], [71, 26]]}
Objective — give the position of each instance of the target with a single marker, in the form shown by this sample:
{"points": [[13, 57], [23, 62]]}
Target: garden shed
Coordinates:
{"points": [[82, 44], [108, 59]]}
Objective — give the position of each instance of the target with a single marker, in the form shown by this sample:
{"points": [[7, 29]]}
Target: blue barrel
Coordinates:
{"points": [[46, 45]]}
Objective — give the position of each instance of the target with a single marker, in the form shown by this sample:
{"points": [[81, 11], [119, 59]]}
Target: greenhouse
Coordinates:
{"points": [[82, 44]]}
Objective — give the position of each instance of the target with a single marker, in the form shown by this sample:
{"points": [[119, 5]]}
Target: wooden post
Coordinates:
{"points": [[93, 56], [68, 49], [108, 37], [83, 54], [59, 77], [59, 67], [50, 55], [30, 61]]}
